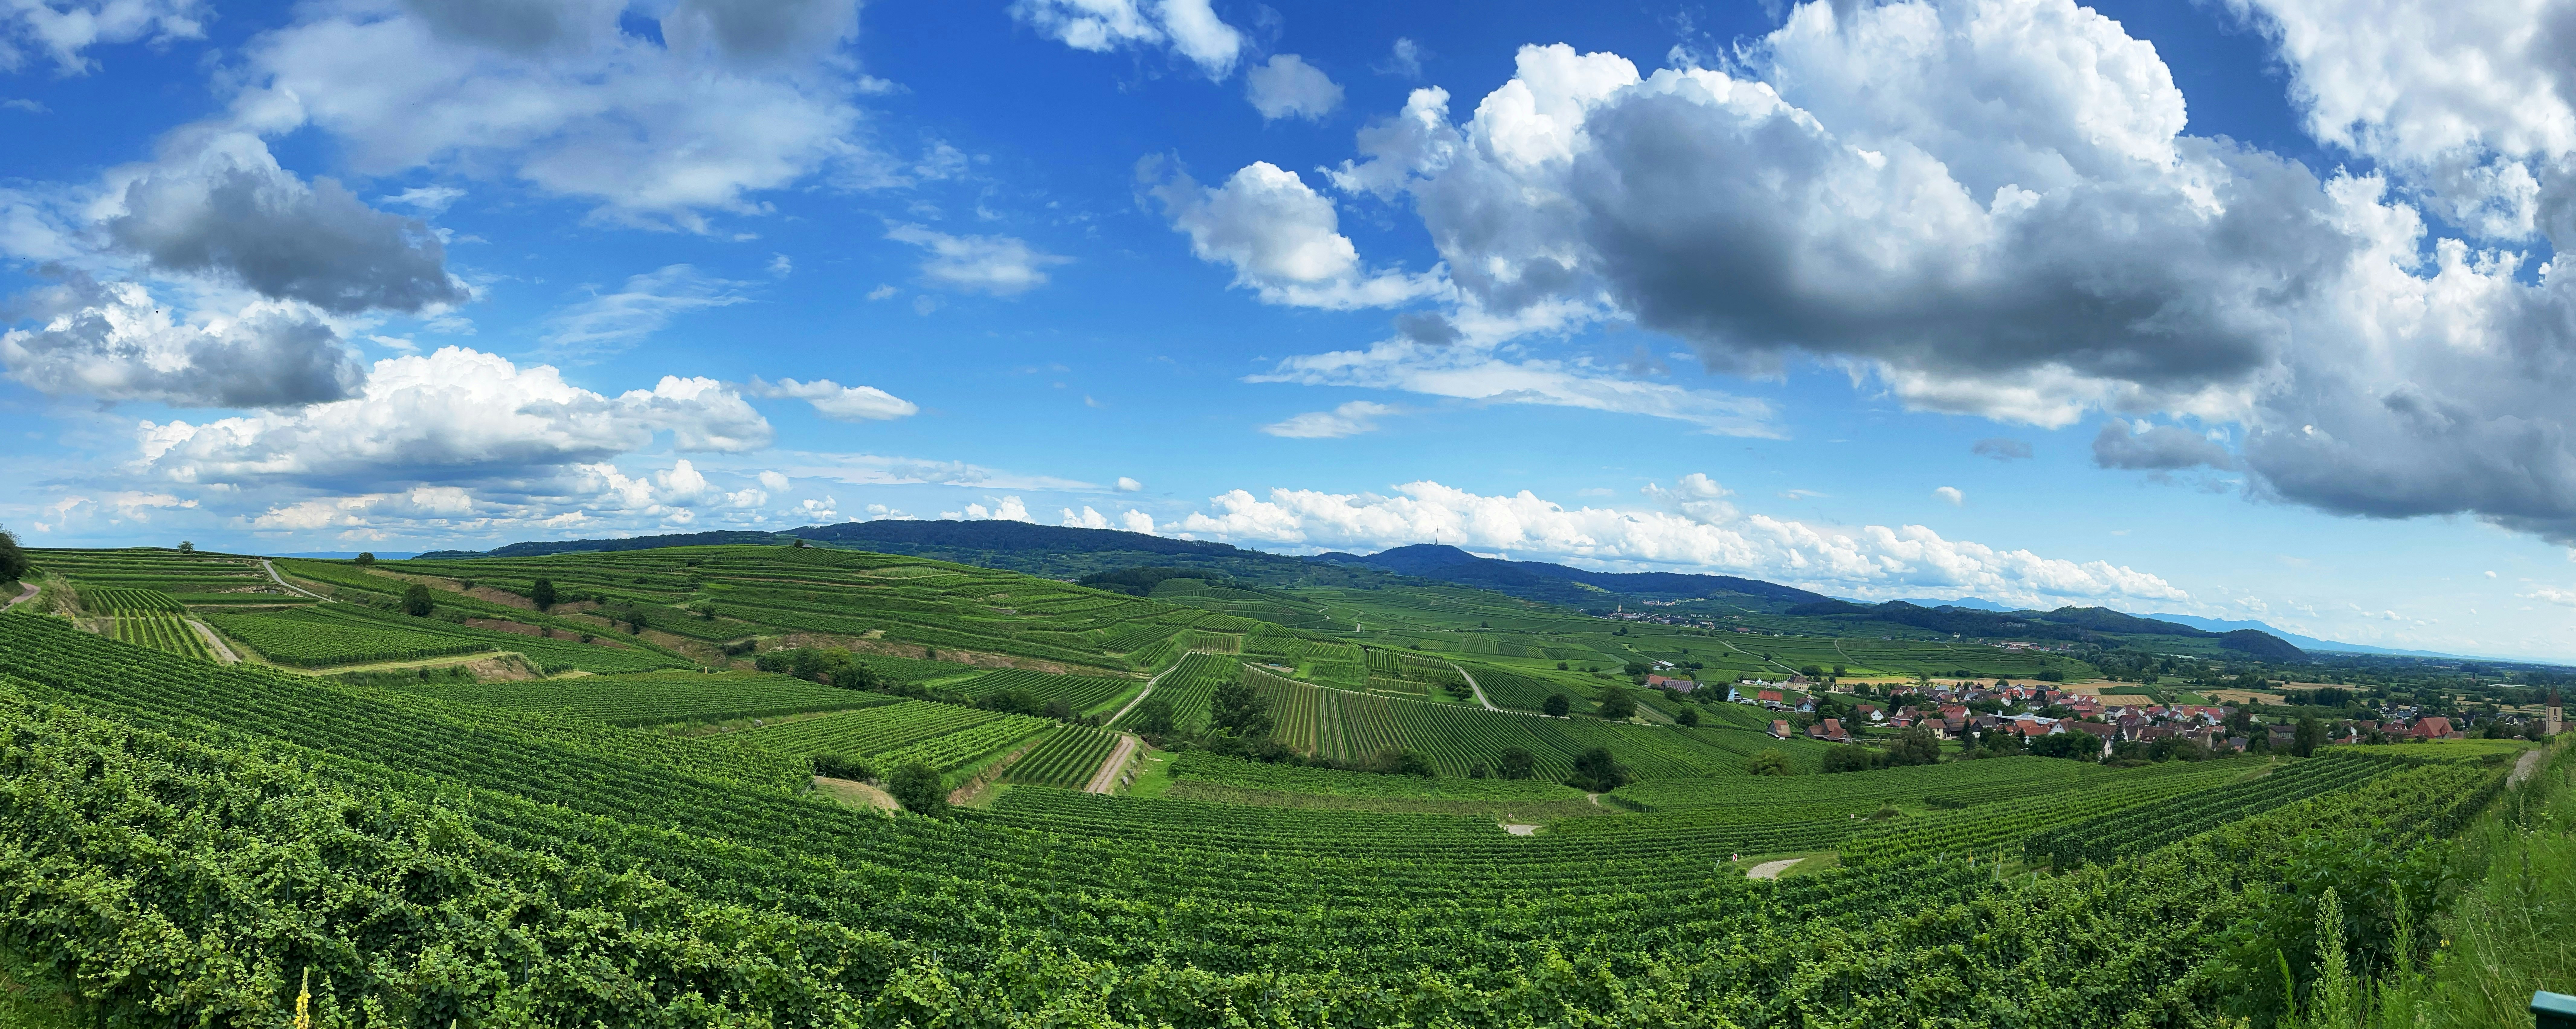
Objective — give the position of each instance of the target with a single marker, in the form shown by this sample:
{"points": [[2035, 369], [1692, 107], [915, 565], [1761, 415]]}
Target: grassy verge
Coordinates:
{"points": [[2512, 926], [1153, 774]]}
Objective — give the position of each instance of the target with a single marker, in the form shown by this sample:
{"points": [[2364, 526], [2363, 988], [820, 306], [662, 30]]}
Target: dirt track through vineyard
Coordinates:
{"points": [[1106, 779]]}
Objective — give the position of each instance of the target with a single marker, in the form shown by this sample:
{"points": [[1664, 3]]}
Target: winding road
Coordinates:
{"points": [[1471, 685], [281, 580], [22, 598]]}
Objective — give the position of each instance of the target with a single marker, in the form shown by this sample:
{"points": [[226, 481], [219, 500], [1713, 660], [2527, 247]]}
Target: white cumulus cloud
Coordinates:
{"points": [[999, 265], [1286, 86], [1695, 528], [838, 402], [1350, 419], [1283, 240]]}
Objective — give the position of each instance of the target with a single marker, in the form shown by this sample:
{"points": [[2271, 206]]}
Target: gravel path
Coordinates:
{"points": [[1771, 869], [2523, 767], [1140, 696], [223, 654], [1106, 779], [32, 590]]}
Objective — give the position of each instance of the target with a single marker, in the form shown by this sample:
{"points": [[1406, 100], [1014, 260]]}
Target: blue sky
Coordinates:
{"points": [[2235, 309]]}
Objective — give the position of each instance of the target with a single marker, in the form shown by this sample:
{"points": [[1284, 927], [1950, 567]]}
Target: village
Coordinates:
{"points": [[2048, 718]]}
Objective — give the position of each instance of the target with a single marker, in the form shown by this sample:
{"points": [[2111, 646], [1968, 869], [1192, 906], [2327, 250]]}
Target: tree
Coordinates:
{"points": [[1853, 758], [1616, 705], [13, 561], [1411, 762], [916, 786], [800, 544], [1154, 717], [366, 558], [1556, 705], [543, 593], [1239, 710], [2077, 746], [2310, 735], [1687, 717], [416, 600], [1916, 746], [1596, 771], [1518, 764], [1768, 762], [1560, 666], [186, 547]]}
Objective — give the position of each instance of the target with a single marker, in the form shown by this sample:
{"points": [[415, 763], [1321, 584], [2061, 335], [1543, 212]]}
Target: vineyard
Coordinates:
{"points": [[1068, 758], [1084, 694], [163, 632], [1348, 726], [942, 736], [660, 698], [646, 846], [322, 636], [1189, 689]]}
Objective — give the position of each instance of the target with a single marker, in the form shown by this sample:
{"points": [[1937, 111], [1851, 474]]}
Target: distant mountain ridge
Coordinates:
{"points": [[2082, 624], [2222, 625], [1555, 583]]}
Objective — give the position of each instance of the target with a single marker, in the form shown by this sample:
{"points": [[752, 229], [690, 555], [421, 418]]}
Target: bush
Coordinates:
{"points": [[416, 600], [543, 593], [816, 664], [1688, 717], [1518, 764], [1854, 758], [1012, 701], [1916, 746], [1768, 762], [917, 787], [834, 766], [1556, 705]]}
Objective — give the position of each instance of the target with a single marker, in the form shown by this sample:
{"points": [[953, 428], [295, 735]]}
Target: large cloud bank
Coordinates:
{"points": [[1993, 207]]}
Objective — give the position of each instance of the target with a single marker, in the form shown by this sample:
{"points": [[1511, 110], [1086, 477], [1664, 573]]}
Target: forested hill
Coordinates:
{"points": [[542, 548], [1538, 580], [2082, 624], [1065, 552]]}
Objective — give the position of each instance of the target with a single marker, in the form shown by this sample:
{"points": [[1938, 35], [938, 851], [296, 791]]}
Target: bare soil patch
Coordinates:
{"points": [[856, 794]]}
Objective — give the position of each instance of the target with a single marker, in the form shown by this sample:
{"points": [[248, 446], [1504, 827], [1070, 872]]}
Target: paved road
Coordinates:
{"points": [[1471, 684], [32, 590], [1771, 869], [1106, 779], [281, 580]]}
